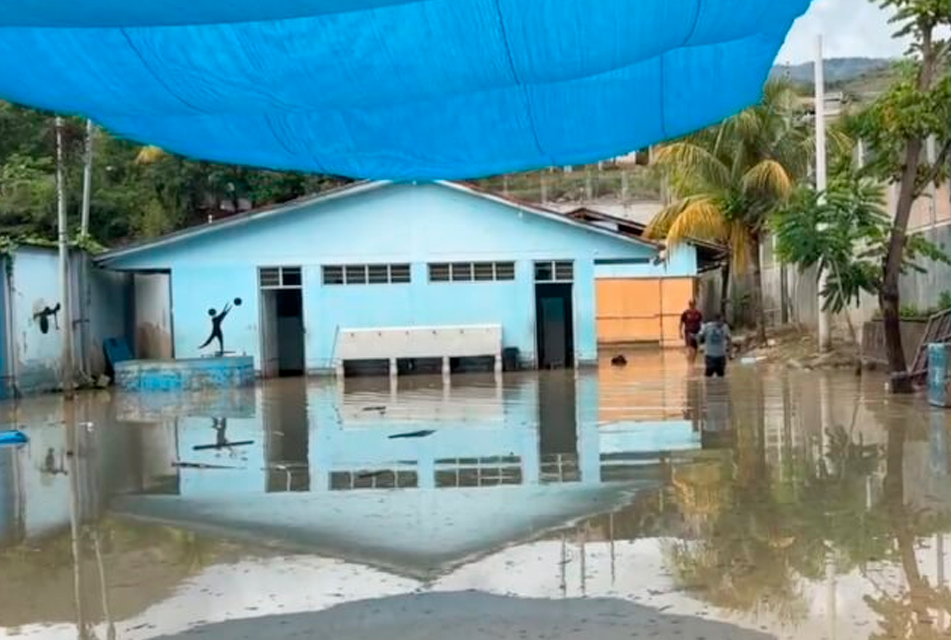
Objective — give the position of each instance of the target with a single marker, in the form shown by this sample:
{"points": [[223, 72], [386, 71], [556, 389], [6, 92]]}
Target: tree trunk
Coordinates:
{"points": [[758, 312], [888, 297], [724, 288], [900, 522]]}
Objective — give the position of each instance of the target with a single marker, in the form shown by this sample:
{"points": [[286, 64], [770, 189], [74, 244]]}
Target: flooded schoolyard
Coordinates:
{"points": [[631, 502]]}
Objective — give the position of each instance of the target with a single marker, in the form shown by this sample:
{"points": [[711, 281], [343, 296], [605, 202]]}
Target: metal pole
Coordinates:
{"points": [[83, 283], [67, 329], [87, 180], [825, 336]]}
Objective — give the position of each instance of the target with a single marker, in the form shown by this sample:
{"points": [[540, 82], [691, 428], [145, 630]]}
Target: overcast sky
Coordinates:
{"points": [[849, 28]]}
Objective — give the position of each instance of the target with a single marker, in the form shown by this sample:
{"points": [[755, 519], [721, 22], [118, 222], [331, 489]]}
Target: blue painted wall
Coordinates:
{"points": [[415, 224], [35, 288], [681, 262], [31, 358]]}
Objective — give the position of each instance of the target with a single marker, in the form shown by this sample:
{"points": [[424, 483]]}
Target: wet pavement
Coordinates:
{"points": [[631, 502]]}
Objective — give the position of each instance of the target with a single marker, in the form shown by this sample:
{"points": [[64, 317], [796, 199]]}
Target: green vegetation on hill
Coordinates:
{"points": [[131, 199]]}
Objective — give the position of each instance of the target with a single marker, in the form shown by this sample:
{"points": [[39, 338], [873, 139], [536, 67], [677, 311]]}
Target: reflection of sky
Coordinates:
{"points": [[551, 569]]}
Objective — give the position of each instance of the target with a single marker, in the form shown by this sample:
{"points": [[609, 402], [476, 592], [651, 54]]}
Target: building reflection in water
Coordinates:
{"points": [[287, 436], [824, 514]]}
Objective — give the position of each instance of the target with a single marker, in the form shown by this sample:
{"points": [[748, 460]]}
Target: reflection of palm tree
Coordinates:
{"points": [[769, 534], [748, 548]]}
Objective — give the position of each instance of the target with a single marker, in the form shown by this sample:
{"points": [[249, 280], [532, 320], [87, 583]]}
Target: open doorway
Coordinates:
{"points": [[554, 330], [282, 322], [554, 313]]}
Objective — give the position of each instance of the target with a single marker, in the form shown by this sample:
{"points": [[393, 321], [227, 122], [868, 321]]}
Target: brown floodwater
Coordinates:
{"points": [[610, 503]]}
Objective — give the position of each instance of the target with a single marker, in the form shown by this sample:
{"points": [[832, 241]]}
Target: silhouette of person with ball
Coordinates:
{"points": [[216, 320]]}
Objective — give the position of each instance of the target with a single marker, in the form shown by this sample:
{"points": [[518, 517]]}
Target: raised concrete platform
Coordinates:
{"points": [[190, 374], [399, 343]]}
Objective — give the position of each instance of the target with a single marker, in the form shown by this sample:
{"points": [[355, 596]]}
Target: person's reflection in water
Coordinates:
{"points": [[715, 426], [50, 464], [220, 425]]}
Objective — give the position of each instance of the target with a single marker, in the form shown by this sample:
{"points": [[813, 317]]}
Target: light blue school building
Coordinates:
{"points": [[365, 272], [298, 280]]}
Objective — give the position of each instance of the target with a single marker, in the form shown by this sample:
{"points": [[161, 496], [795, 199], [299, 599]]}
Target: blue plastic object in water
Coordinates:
{"points": [[939, 375], [12, 437], [394, 89]]}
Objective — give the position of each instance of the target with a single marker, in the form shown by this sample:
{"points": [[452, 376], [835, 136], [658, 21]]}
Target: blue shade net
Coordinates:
{"points": [[393, 89]]}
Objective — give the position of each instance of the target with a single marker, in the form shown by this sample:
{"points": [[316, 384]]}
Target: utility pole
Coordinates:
{"points": [[62, 237], [87, 180], [83, 283], [825, 333]]}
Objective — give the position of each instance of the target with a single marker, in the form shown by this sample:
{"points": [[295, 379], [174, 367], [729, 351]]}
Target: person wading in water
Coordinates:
{"points": [[691, 322], [716, 339]]}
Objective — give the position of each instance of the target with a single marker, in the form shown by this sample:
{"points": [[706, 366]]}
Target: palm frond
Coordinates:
{"points": [[700, 218], [689, 158], [768, 176], [660, 224], [739, 243]]}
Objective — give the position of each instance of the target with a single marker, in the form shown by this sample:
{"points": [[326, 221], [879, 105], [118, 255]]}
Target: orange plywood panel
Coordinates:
{"points": [[628, 310], [675, 294], [671, 331], [626, 298], [615, 330]]}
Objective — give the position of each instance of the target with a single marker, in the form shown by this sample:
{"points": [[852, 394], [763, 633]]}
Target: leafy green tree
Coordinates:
{"points": [[844, 232], [896, 128], [138, 192]]}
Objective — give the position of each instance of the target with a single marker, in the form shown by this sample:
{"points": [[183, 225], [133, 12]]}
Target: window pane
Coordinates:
{"points": [[291, 277], [439, 272], [333, 275], [504, 270], [399, 273], [543, 272], [378, 274], [461, 271], [483, 271], [270, 277], [356, 274], [564, 271]]}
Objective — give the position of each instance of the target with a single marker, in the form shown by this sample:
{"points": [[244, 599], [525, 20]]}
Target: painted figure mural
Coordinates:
{"points": [[42, 317], [216, 320]]}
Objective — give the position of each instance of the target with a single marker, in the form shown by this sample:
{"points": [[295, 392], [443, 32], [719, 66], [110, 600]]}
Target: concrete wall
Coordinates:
{"points": [[108, 312], [152, 335], [921, 290], [32, 318], [415, 224], [37, 332]]}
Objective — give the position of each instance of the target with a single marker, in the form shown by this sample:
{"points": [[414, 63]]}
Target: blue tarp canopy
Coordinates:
{"points": [[393, 89]]}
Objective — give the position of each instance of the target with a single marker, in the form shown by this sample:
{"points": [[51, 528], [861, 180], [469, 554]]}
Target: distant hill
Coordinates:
{"points": [[838, 71]]}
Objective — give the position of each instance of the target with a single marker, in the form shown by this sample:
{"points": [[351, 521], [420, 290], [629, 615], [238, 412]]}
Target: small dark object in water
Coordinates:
{"points": [[380, 409], [413, 434], [619, 361], [225, 445], [199, 465], [12, 437]]}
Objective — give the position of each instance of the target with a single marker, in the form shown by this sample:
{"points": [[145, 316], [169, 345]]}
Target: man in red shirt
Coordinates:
{"points": [[691, 321]]}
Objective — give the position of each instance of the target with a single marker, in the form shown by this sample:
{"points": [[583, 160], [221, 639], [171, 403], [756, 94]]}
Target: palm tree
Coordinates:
{"points": [[728, 179], [149, 154]]}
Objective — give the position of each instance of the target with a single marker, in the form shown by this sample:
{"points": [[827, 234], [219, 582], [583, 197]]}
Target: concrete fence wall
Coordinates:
{"points": [[799, 293]]}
